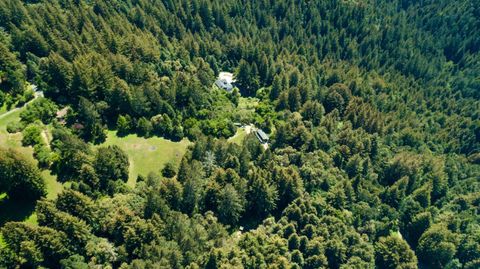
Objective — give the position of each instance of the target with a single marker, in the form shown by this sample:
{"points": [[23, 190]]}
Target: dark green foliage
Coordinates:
{"points": [[169, 170], [144, 127], [371, 108], [394, 252], [230, 205], [76, 204], [76, 230], [247, 78], [41, 109], [111, 164], [73, 156], [32, 246], [12, 76], [90, 126], [43, 155], [262, 196], [313, 111], [437, 246], [19, 178]]}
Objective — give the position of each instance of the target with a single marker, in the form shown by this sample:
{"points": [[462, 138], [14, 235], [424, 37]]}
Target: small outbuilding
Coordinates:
{"points": [[262, 136]]}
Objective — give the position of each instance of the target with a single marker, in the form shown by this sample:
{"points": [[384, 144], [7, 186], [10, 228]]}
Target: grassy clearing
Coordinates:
{"points": [[247, 103], [13, 141], [147, 154], [238, 137], [53, 186]]}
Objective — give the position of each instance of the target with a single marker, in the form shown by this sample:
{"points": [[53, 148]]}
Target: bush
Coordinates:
{"points": [[2, 98], [32, 135], [169, 170], [144, 127], [19, 177], [123, 125], [43, 155], [177, 133]]}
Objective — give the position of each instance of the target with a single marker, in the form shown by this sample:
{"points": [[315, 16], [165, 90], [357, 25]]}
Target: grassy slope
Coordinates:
{"points": [[238, 137], [147, 155], [247, 103]]}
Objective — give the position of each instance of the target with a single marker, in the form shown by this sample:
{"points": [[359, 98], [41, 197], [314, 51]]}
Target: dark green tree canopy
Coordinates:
{"points": [[371, 108]]}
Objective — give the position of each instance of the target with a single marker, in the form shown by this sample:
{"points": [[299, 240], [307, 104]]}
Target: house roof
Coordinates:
{"points": [[224, 84], [262, 134], [62, 112]]}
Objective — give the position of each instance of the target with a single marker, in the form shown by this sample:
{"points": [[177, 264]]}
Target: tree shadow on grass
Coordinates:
{"points": [[15, 210]]}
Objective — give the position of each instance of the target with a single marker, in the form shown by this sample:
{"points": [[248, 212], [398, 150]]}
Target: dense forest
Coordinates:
{"points": [[373, 111]]}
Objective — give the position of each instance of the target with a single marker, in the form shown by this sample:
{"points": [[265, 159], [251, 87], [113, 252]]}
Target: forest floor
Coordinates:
{"points": [[147, 154]]}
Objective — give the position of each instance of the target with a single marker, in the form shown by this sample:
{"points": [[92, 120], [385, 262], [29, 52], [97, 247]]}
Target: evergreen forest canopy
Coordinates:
{"points": [[373, 109]]}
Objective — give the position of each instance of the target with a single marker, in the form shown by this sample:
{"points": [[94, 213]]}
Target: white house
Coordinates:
{"points": [[225, 81]]}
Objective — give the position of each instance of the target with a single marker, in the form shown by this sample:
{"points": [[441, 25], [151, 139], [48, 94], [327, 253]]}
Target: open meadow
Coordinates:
{"points": [[147, 154]]}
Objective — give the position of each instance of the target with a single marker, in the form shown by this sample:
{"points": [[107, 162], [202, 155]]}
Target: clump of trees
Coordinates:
{"points": [[20, 179]]}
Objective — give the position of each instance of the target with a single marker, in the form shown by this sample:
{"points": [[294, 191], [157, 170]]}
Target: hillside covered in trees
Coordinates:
{"points": [[372, 107]]}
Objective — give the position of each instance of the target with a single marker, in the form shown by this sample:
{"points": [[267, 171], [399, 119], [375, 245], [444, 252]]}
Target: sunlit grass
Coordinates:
{"points": [[147, 154], [239, 136]]}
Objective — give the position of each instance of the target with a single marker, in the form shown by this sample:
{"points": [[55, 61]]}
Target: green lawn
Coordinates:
{"points": [[147, 154], [247, 103], [4, 120], [238, 137]]}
